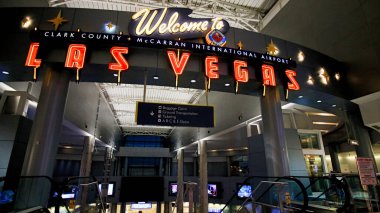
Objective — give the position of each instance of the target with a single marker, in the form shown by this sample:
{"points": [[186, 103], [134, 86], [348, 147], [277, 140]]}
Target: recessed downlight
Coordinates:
{"points": [[227, 84], [193, 81], [115, 74], [319, 101], [155, 77], [301, 96], [334, 105]]}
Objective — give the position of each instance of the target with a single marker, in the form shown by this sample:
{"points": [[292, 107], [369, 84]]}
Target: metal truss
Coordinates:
{"points": [[238, 16]]}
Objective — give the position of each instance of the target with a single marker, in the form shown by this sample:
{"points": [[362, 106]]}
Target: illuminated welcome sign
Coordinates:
{"points": [[173, 23]]}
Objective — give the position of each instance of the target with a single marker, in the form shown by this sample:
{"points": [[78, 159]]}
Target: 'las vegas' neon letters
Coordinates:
{"points": [[241, 71], [121, 63], [269, 78], [31, 59], [211, 67], [293, 84], [178, 64], [76, 56]]}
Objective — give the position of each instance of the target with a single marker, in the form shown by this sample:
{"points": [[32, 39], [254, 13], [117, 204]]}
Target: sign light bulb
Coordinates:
{"points": [[26, 22], [310, 80], [337, 76], [300, 56], [323, 76], [109, 27]]}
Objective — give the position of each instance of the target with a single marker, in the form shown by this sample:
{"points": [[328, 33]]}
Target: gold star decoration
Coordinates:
{"points": [[109, 25], [240, 45], [272, 48], [58, 20]]}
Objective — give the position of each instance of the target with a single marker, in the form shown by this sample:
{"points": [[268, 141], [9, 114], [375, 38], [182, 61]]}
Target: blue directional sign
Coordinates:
{"points": [[158, 114]]}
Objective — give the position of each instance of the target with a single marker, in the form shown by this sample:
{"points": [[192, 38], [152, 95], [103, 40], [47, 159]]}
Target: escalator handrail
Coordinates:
{"points": [[343, 184], [301, 186], [312, 182]]}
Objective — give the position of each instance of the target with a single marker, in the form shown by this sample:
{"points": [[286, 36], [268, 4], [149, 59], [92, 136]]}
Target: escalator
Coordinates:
{"points": [[326, 193], [292, 194], [268, 194], [363, 199]]}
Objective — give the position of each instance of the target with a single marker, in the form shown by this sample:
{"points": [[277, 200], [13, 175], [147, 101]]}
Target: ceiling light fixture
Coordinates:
{"points": [[319, 101], [155, 77], [300, 56], [227, 84], [5, 72], [193, 81], [300, 96], [115, 74], [334, 105], [325, 114], [325, 123]]}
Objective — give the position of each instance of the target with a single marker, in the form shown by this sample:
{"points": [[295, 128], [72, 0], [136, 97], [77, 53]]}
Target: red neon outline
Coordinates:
{"points": [[269, 78], [178, 65], [75, 56], [293, 85], [212, 67], [241, 71], [31, 60], [121, 63]]}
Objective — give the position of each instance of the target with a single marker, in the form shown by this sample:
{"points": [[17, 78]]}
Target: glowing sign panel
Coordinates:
{"points": [[173, 23]]}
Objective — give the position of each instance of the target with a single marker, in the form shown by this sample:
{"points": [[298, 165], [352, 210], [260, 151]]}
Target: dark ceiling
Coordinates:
{"points": [[348, 31]]}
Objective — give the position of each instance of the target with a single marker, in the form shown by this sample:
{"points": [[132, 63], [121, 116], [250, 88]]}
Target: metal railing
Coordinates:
{"points": [[17, 202], [279, 194]]}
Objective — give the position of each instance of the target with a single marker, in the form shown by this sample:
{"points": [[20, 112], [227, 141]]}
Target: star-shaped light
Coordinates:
{"points": [[109, 25], [240, 45], [58, 20], [272, 48]]}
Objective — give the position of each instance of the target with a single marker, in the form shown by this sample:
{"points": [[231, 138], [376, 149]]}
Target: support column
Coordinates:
{"points": [[158, 209], [125, 170], [167, 207], [180, 187], [203, 181], [190, 190], [276, 154], [44, 136], [333, 150], [228, 160], [361, 134], [123, 207], [85, 169], [161, 168], [195, 162]]}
